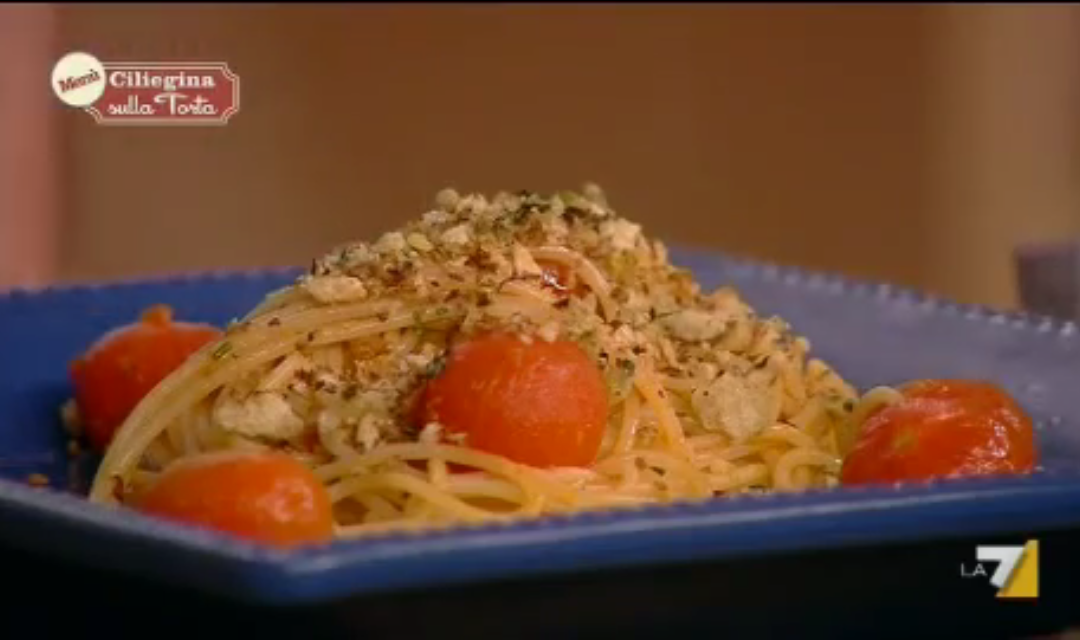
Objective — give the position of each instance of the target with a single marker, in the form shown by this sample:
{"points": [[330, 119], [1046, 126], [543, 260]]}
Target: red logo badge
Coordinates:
{"points": [[148, 93]]}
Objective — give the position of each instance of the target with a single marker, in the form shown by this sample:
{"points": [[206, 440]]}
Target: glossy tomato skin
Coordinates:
{"points": [[264, 497], [118, 370], [943, 429], [535, 402]]}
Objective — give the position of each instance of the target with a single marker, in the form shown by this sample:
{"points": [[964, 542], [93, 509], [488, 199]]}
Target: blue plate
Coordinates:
{"points": [[872, 334]]}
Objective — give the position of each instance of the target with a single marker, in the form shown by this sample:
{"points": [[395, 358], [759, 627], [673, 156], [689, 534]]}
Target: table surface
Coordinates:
{"points": [[903, 592]]}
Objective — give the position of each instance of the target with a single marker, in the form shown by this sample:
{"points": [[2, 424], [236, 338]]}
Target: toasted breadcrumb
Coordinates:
{"points": [[563, 266]]}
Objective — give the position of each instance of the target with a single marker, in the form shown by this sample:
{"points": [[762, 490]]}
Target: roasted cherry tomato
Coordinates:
{"points": [[539, 403], [266, 497], [124, 365], [942, 429]]}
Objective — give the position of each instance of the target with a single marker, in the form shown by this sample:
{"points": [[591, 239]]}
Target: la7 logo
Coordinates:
{"points": [[1006, 557]]}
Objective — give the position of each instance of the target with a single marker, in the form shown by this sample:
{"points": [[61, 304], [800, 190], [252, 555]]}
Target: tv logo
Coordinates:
{"points": [[1017, 572]]}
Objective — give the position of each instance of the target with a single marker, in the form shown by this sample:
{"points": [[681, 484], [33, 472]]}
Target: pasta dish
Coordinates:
{"points": [[502, 358]]}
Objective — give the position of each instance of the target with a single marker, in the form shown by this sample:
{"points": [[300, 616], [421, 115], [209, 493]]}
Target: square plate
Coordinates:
{"points": [[873, 334]]}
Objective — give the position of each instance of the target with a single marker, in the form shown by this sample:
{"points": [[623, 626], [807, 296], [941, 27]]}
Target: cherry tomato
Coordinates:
{"points": [[265, 497], [118, 370], [943, 429], [539, 403]]}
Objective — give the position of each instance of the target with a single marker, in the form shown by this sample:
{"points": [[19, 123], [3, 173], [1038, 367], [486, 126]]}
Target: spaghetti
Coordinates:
{"points": [[705, 397]]}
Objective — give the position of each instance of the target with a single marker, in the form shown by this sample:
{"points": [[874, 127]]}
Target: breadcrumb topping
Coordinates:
{"points": [[549, 267]]}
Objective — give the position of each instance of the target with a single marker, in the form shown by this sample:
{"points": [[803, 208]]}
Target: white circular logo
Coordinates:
{"points": [[78, 79]]}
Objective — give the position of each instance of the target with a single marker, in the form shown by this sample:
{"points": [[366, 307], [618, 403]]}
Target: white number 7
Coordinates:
{"points": [[1007, 557]]}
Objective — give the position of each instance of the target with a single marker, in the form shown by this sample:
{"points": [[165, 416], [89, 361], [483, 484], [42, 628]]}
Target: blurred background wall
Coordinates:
{"points": [[916, 144]]}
